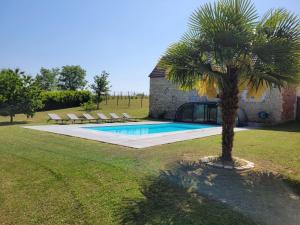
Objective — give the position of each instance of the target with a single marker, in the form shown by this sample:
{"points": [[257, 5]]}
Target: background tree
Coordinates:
{"points": [[227, 49], [48, 78], [100, 86], [32, 99], [72, 78], [18, 94]]}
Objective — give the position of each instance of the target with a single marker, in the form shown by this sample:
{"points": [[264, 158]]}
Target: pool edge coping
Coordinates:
{"points": [[132, 141]]}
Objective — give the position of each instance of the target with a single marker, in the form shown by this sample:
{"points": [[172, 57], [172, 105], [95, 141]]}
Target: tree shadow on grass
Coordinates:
{"points": [[5, 123], [180, 196], [292, 126], [166, 203]]}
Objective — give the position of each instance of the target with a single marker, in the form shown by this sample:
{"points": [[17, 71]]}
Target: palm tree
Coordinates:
{"points": [[227, 49]]}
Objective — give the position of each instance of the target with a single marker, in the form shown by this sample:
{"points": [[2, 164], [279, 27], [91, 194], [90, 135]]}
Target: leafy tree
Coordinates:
{"points": [[32, 99], [72, 78], [48, 78], [18, 94], [228, 48], [100, 86]]}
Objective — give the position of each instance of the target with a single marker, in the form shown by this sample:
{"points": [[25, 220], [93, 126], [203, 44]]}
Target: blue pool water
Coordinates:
{"points": [[149, 128]]}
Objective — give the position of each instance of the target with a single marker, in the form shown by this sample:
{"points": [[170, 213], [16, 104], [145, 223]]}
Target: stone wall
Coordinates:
{"points": [[165, 98], [271, 104]]}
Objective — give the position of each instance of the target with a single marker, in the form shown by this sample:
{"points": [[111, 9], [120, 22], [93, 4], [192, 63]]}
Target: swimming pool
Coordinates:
{"points": [[144, 129]]}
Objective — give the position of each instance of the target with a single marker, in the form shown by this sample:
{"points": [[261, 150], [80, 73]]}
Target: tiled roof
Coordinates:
{"points": [[157, 73]]}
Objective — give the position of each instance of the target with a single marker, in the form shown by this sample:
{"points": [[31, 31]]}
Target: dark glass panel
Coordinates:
{"points": [[185, 113], [212, 112], [199, 113]]}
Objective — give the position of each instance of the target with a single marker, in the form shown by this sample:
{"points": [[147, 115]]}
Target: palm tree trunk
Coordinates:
{"points": [[229, 105]]}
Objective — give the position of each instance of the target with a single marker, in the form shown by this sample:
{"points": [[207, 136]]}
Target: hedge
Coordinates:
{"points": [[64, 99]]}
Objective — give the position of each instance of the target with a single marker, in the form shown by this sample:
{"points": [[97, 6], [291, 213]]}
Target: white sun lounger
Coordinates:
{"points": [[128, 117], [89, 117], [103, 117], [55, 117], [74, 118], [115, 117]]}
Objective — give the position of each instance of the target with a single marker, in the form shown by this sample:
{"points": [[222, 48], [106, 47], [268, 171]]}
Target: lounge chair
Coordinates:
{"points": [[128, 117], [89, 117], [115, 117], [103, 117], [74, 118], [55, 117]]}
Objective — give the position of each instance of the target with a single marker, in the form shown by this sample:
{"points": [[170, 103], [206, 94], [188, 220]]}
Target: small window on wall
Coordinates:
{"points": [[246, 98]]}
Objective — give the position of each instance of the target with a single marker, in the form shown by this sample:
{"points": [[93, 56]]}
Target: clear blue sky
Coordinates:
{"points": [[124, 37]]}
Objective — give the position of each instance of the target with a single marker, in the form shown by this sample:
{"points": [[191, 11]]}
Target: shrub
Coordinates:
{"points": [[88, 106], [64, 99]]}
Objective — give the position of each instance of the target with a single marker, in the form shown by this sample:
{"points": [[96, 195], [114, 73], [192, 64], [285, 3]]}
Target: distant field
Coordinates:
{"points": [[54, 179]]}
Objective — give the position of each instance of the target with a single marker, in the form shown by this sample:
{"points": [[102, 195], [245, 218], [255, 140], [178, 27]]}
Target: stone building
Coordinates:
{"points": [[167, 101]]}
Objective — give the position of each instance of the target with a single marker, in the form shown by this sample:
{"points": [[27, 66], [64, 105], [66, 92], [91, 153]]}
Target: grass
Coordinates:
{"points": [[53, 179]]}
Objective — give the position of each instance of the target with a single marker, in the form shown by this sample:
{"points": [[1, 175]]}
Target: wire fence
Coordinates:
{"points": [[127, 98]]}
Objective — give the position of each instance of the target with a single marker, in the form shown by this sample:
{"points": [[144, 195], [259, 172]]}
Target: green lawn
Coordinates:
{"points": [[53, 179]]}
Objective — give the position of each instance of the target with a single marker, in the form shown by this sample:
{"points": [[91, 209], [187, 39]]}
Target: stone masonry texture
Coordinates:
{"points": [[166, 98]]}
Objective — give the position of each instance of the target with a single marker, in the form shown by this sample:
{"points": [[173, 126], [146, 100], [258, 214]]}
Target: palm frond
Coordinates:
{"points": [[227, 26], [186, 64], [227, 34], [276, 48], [279, 23]]}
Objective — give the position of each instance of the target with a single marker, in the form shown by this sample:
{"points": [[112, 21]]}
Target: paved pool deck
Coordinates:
{"points": [[138, 142]]}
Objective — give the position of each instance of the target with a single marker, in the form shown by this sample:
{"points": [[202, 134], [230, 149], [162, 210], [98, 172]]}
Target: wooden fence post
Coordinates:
{"points": [[142, 97], [128, 99]]}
